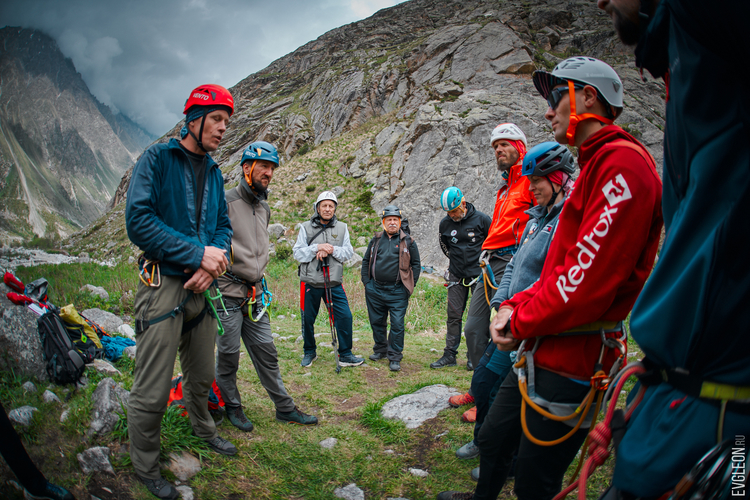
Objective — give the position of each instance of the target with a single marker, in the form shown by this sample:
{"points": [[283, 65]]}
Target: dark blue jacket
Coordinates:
{"points": [[462, 241], [694, 311], [161, 216]]}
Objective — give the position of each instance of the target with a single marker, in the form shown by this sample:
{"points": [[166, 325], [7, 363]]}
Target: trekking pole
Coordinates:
{"points": [[329, 304]]}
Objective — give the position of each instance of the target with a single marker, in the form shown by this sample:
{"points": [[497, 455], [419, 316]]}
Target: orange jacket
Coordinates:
{"points": [[509, 218]]}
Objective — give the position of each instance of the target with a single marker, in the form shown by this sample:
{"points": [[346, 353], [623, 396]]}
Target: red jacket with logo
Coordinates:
{"points": [[601, 255], [509, 218]]}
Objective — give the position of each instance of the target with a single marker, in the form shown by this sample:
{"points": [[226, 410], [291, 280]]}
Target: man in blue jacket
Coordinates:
{"points": [[691, 317], [177, 215]]}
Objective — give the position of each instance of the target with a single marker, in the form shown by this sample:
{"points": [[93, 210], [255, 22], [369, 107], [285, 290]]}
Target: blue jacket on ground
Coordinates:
{"points": [[161, 216], [694, 311]]}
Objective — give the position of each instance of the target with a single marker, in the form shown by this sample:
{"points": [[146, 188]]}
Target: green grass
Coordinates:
{"points": [[279, 461]]}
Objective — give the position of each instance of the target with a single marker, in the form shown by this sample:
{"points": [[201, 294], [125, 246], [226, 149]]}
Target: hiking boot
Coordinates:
{"points": [[475, 473], [468, 451], [455, 495], [308, 359], [53, 492], [160, 488], [446, 360], [395, 366], [460, 400], [469, 366], [377, 356], [350, 360], [296, 416], [470, 415], [238, 419], [222, 446]]}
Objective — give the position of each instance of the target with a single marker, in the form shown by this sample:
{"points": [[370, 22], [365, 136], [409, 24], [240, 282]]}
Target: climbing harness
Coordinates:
{"points": [[329, 304], [462, 281], [266, 297], [487, 276]]}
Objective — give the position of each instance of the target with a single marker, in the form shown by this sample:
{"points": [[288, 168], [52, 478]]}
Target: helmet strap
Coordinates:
{"points": [[575, 119], [200, 134], [249, 176]]}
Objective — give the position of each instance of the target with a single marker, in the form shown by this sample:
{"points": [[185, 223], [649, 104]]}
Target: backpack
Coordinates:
{"points": [[215, 401], [64, 363]]}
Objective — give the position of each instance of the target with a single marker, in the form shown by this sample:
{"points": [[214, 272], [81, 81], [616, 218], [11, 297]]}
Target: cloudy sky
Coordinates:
{"points": [[142, 57]]}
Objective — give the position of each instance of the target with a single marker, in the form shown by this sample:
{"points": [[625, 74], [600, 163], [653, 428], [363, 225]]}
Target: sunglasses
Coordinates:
{"points": [[556, 95]]}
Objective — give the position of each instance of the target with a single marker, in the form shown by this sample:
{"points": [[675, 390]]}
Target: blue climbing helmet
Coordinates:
{"points": [[451, 198], [260, 150], [547, 157]]}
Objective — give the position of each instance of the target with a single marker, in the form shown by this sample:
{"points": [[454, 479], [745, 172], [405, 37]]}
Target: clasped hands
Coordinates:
{"points": [[213, 264], [500, 331], [324, 250]]}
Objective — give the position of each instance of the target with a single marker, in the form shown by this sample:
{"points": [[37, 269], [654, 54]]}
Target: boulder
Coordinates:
{"points": [[276, 231], [50, 397], [129, 351], [354, 261], [29, 386], [20, 345], [95, 460], [349, 492], [109, 401], [108, 321], [104, 367], [338, 191], [362, 242], [22, 416], [184, 466], [186, 492], [126, 331], [413, 409], [95, 291]]}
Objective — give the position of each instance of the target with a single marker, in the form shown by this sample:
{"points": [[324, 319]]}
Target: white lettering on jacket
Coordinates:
{"points": [[615, 191]]}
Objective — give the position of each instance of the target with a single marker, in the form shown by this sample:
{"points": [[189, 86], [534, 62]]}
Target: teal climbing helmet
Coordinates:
{"points": [[260, 150], [451, 198]]}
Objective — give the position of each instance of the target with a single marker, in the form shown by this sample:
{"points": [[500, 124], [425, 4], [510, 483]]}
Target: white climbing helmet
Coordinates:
{"points": [[508, 131], [325, 195]]}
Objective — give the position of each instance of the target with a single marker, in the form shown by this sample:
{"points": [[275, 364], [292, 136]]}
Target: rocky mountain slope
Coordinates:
{"points": [[62, 153], [403, 103]]}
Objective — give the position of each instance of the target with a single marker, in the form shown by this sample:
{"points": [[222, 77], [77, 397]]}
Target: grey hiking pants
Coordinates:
{"points": [[157, 349], [259, 344], [477, 329], [458, 295]]}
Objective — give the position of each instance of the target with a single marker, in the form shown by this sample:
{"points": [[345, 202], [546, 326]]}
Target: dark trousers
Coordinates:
{"points": [[383, 300], [342, 316], [539, 469], [18, 460], [458, 295], [484, 385], [478, 320]]}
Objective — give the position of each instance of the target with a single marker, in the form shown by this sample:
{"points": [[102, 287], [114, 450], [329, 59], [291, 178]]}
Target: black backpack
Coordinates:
{"points": [[64, 363], [82, 343]]}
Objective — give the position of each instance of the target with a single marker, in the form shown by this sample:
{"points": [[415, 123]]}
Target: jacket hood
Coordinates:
{"points": [[250, 193], [593, 144], [469, 210], [316, 222]]}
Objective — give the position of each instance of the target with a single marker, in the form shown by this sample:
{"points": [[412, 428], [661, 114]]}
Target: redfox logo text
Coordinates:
{"points": [[615, 191]]}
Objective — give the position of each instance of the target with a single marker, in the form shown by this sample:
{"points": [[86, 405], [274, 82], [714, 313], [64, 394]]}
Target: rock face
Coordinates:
{"points": [[20, 345], [413, 409], [439, 76], [61, 151]]}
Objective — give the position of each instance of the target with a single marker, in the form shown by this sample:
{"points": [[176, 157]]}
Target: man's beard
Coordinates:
{"points": [[626, 29], [258, 188]]}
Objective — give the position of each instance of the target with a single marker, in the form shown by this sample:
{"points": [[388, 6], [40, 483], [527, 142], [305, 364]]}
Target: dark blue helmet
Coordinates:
{"points": [[547, 157]]}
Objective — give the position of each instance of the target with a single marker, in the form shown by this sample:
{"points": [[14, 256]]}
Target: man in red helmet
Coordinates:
{"points": [[177, 215]]}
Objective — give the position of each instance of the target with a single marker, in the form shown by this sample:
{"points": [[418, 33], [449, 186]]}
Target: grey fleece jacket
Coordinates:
{"points": [[526, 266]]}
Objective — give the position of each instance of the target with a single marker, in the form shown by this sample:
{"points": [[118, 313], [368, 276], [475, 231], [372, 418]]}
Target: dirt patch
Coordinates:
{"points": [[108, 487], [423, 442], [352, 403], [379, 378]]}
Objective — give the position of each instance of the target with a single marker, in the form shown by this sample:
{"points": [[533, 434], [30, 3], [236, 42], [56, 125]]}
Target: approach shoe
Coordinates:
{"points": [[238, 419], [395, 366], [460, 400], [377, 356], [444, 361], [160, 488], [470, 415], [469, 366], [51, 492], [222, 446], [350, 360], [455, 495], [308, 359], [296, 416], [468, 451], [475, 473]]}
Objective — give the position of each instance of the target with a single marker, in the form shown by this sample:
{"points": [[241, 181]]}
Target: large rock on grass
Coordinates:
{"points": [[109, 401], [413, 409], [20, 346]]}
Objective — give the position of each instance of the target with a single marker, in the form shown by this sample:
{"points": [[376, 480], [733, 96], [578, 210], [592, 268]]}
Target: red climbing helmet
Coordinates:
{"points": [[210, 95]]}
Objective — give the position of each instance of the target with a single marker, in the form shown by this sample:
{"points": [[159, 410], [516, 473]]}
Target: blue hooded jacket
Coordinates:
{"points": [[161, 216]]}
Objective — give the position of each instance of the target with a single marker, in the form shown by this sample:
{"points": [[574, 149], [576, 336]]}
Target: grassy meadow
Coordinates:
{"points": [[276, 461]]}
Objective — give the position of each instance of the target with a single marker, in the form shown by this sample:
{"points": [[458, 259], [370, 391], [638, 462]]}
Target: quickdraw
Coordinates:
{"points": [[462, 281], [150, 278], [487, 276], [210, 300], [266, 297]]}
